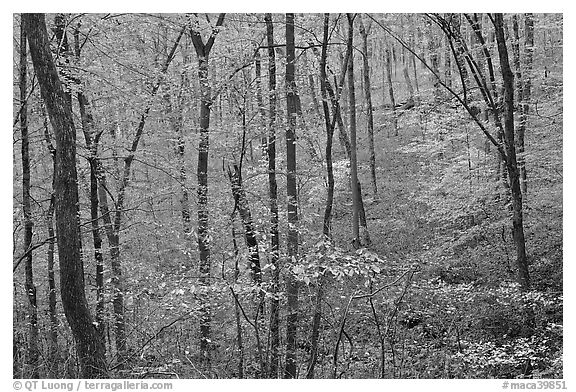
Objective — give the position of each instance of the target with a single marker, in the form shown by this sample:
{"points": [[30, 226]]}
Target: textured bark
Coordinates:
{"points": [[273, 196], [511, 162], [369, 108], [89, 345], [203, 52], [33, 356], [292, 199]]}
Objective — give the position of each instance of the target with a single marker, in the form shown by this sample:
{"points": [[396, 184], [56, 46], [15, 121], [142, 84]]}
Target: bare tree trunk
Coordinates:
{"points": [[273, 196], [53, 355], [89, 345], [33, 350], [370, 110], [292, 196], [513, 173], [329, 202], [92, 146], [356, 241], [391, 91], [203, 52]]}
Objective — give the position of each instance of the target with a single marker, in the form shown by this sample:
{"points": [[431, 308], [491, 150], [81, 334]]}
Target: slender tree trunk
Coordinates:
{"points": [[33, 350], [89, 345], [512, 166], [370, 110], [356, 241], [391, 91], [273, 196], [53, 355], [203, 52], [93, 161], [329, 202], [292, 198]]}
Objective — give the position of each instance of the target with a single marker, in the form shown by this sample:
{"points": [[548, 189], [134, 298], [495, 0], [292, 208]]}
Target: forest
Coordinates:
{"points": [[263, 196]]}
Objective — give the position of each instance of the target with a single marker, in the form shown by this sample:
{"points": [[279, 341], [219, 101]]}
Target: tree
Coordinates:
{"points": [[203, 53], [353, 159], [368, 93], [511, 162], [292, 199], [33, 350], [273, 196], [89, 345]]}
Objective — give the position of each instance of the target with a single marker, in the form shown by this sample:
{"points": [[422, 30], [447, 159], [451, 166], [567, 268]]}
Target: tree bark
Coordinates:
{"points": [[33, 350], [329, 202], [511, 162], [241, 204], [356, 241], [370, 110], [292, 199], [53, 355], [89, 345], [524, 88], [273, 196], [391, 91], [203, 52], [91, 139]]}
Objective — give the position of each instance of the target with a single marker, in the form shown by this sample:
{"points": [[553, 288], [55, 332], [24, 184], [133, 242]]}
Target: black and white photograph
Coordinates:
{"points": [[287, 196]]}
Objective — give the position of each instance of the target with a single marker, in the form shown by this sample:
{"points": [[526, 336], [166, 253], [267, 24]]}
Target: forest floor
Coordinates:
{"points": [[437, 211]]}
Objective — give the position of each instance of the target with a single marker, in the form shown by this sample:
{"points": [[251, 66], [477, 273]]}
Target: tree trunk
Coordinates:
{"points": [[356, 241], [511, 163], [33, 350], [53, 355], [329, 201], [91, 138], [292, 199], [89, 345], [260, 102], [241, 204], [370, 110], [203, 52], [391, 91], [273, 195]]}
